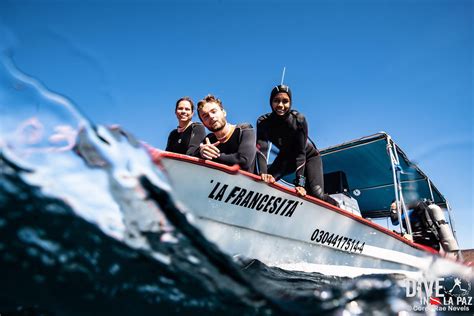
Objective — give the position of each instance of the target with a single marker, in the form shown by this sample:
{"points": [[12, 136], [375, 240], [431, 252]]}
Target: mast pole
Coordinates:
{"points": [[283, 75]]}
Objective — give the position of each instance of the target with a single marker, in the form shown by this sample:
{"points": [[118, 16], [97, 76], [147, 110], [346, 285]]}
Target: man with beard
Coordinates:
{"points": [[227, 144]]}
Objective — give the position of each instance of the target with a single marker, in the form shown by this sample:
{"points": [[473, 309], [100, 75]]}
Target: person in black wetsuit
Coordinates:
{"points": [[185, 139], [227, 144], [288, 131], [423, 227]]}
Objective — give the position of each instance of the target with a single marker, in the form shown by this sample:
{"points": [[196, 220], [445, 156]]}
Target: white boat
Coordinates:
{"points": [[245, 216]]}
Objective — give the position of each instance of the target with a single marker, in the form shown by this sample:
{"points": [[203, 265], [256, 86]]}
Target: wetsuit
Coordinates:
{"points": [[186, 142], [239, 149], [289, 133]]}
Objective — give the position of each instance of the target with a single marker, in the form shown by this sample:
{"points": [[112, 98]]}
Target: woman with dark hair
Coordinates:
{"points": [[288, 131], [185, 139]]}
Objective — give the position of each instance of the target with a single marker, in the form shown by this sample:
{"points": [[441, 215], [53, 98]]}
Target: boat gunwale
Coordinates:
{"points": [[157, 155]]}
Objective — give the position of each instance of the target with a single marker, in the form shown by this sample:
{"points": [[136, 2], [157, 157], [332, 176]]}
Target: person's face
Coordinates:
{"points": [[184, 112], [212, 116], [281, 103]]}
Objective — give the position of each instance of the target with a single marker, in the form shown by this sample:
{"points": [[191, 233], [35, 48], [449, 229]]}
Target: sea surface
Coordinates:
{"points": [[88, 227]]}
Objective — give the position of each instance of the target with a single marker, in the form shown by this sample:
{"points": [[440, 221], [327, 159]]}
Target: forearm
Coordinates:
{"points": [[245, 154], [300, 150], [231, 159], [262, 154], [196, 139]]}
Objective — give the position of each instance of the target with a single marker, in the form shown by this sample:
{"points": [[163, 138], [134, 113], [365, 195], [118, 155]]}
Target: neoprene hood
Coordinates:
{"points": [[278, 89]]}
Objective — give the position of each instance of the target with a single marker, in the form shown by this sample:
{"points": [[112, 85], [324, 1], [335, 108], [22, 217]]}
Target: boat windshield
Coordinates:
{"points": [[368, 167]]}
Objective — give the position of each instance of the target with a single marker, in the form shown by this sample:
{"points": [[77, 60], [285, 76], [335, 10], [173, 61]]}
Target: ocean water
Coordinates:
{"points": [[88, 227]]}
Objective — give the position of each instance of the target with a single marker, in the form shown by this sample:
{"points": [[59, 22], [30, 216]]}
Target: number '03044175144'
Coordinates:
{"points": [[337, 241]]}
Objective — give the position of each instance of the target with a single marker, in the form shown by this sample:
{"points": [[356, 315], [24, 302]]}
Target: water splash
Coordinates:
{"points": [[43, 132], [89, 220]]}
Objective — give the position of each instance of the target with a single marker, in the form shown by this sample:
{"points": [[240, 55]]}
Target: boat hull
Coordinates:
{"points": [[245, 216]]}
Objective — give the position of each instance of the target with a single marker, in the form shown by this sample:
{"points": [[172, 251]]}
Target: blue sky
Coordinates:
{"points": [[355, 68]]}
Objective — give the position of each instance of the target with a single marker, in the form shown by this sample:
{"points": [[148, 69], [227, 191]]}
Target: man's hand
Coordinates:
{"points": [[268, 178], [300, 191], [208, 150]]}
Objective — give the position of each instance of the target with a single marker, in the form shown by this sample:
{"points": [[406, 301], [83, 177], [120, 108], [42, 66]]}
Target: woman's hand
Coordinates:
{"points": [[208, 150], [268, 178], [300, 191]]}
